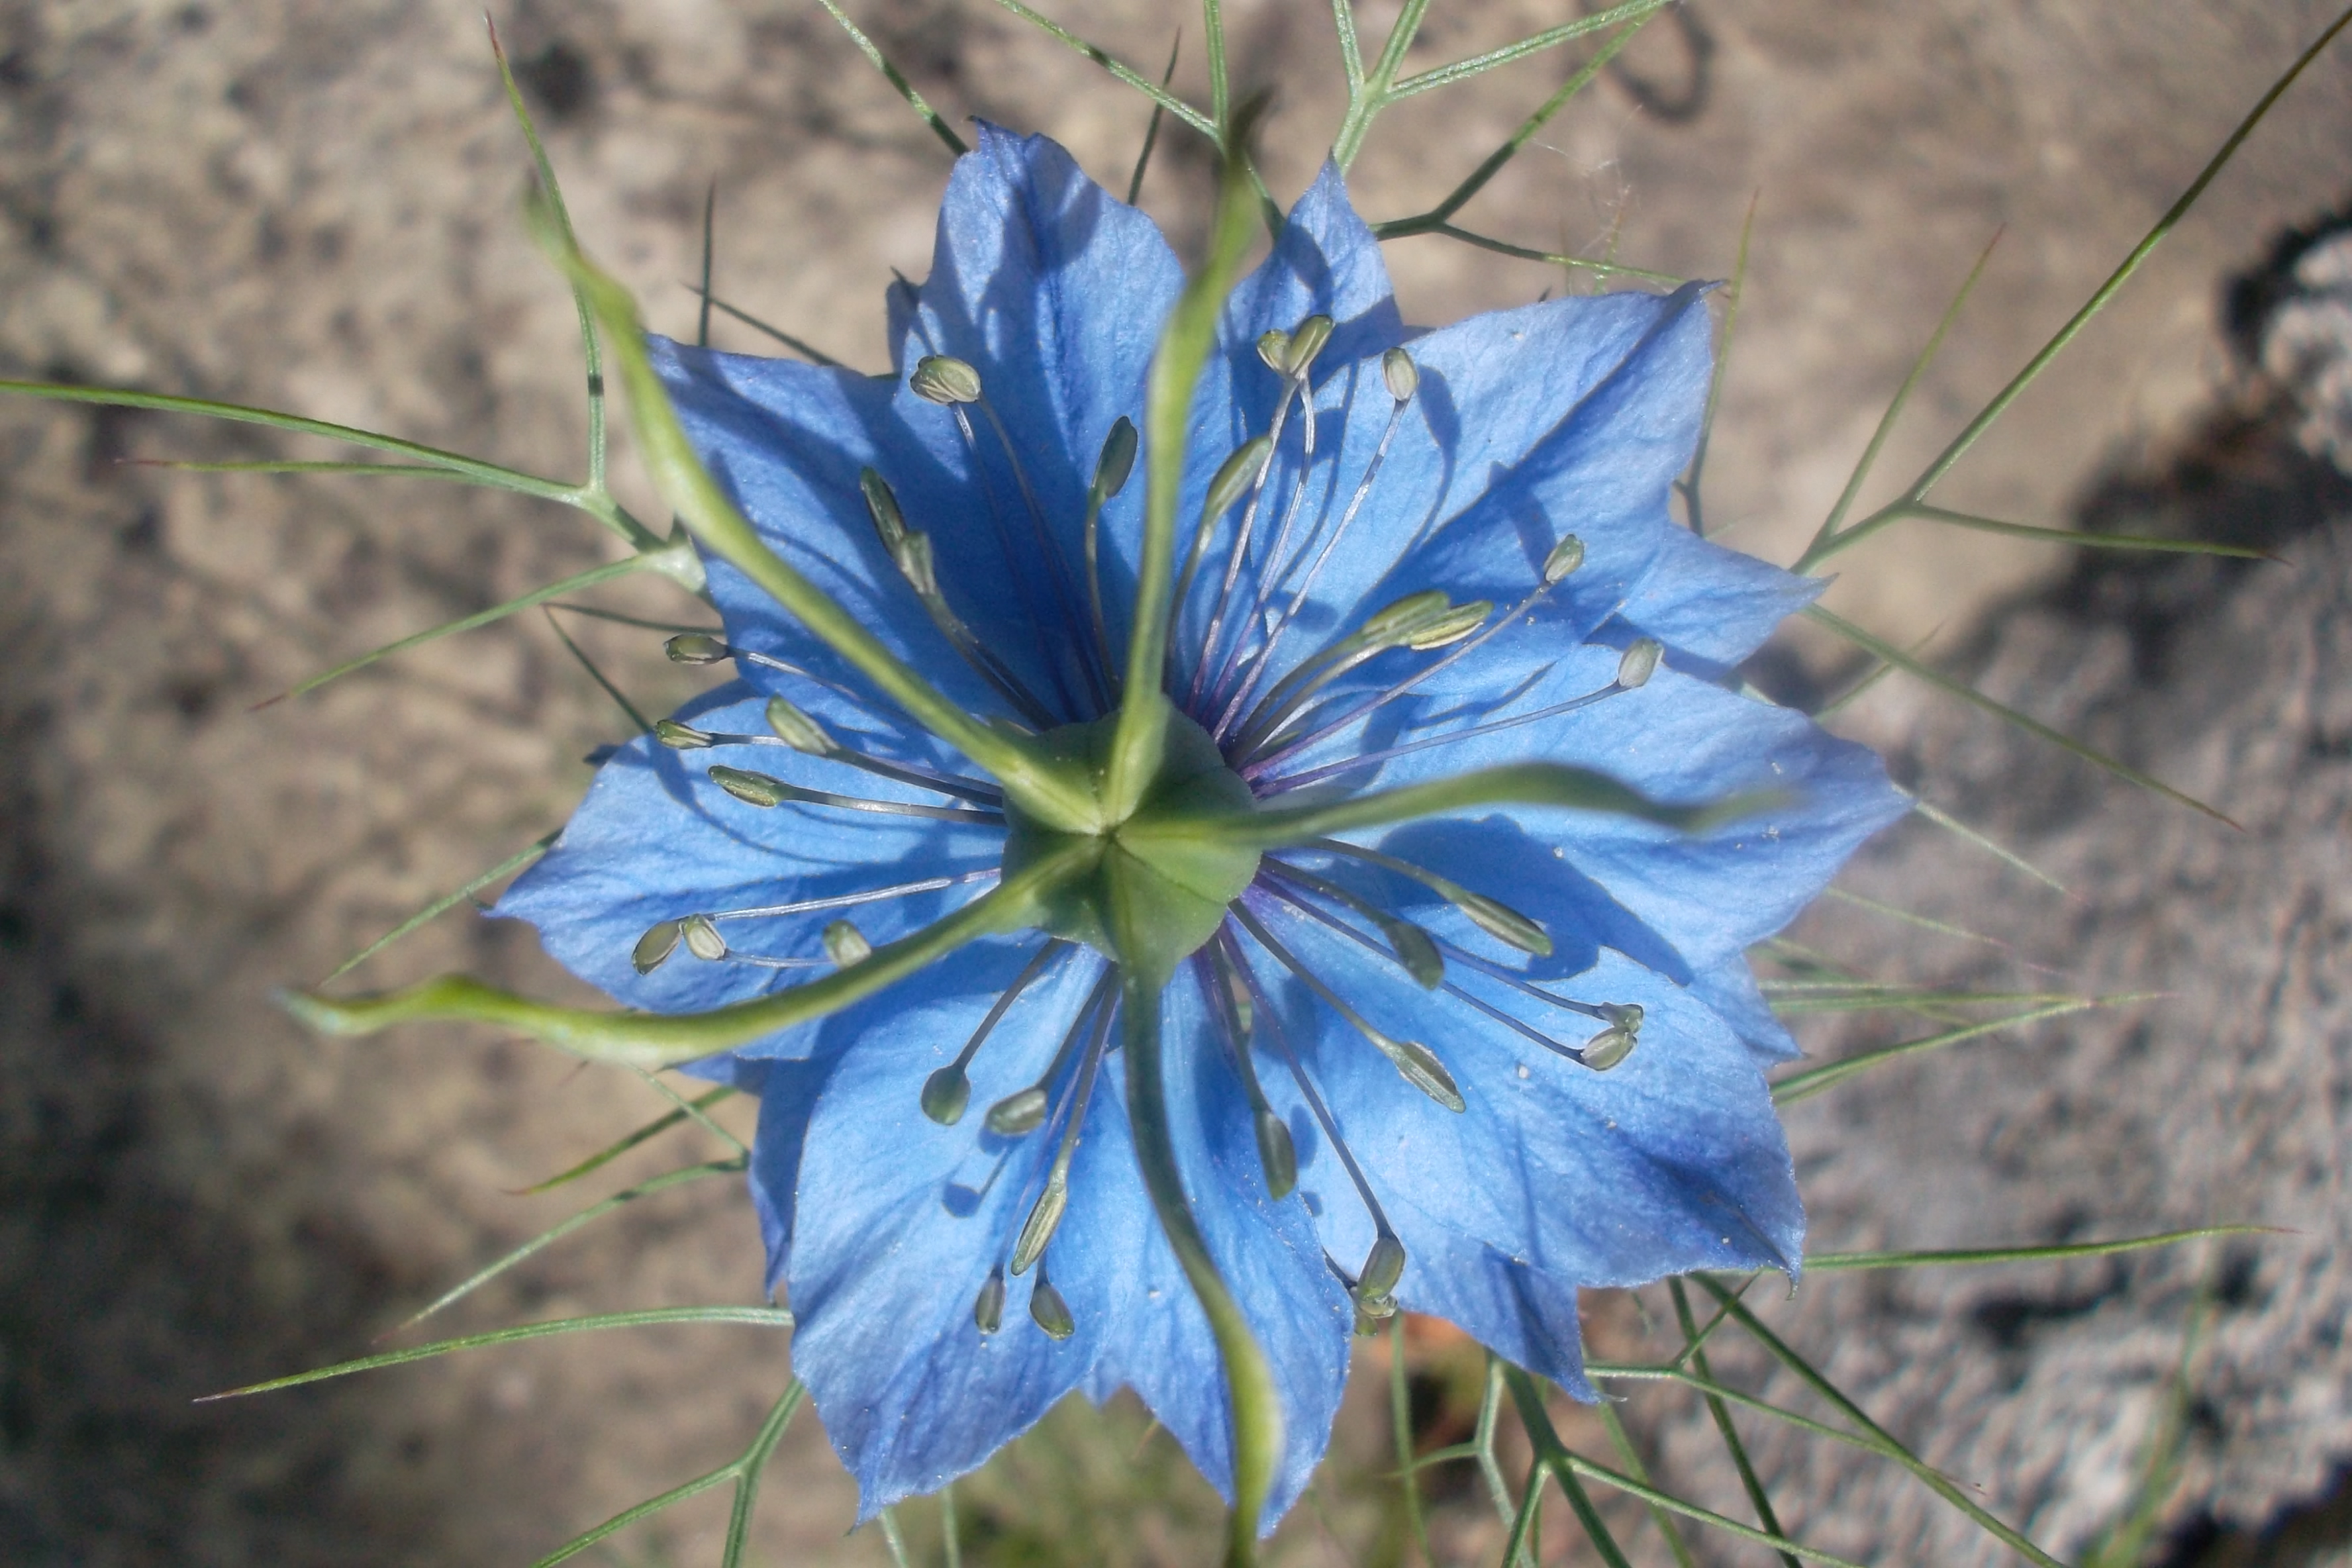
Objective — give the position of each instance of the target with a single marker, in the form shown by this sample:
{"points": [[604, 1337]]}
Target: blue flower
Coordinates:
{"points": [[1463, 1065]]}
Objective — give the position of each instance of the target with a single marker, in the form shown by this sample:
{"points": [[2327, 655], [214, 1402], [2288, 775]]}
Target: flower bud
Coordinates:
{"points": [[846, 945], [1118, 460], [797, 730], [943, 380], [1402, 375], [654, 948], [945, 1094], [680, 737], [695, 647], [1563, 559], [1277, 1154], [1639, 662], [702, 938]]}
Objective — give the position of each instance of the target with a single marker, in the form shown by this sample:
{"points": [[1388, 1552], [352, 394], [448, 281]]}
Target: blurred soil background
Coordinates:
{"points": [[312, 206]]}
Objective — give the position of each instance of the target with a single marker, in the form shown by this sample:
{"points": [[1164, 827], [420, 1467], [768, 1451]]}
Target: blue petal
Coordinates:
{"points": [[1730, 987], [1672, 1160], [896, 1222], [1573, 416], [656, 840], [1267, 1252], [1713, 604]]}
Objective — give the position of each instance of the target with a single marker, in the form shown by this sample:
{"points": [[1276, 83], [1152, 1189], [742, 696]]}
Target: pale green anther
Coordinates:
{"points": [[1393, 622], [1372, 1311], [1307, 340], [882, 506], [920, 568], [750, 788], [1421, 1069], [654, 948], [702, 938], [1502, 922], [1563, 559], [1020, 1112], [1402, 375], [1450, 627], [797, 730], [846, 945], [1050, 1312], [1607, 1048], [1626, 1016], [695, 647], [1118, 460], [1235, 476], [988, 1307], [943, 380], [945, 1094], [1383, 1267], [680, 737], [1274, 347], [1277, 1154], [1416, 951], [1639, 662], [1044, 1220], [1245, 1010]]}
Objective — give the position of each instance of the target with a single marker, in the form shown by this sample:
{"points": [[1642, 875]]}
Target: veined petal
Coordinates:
{"points": [[1713, 605], [1672, 1160], [1267, 1252], [656, 840], [897, 1222]]}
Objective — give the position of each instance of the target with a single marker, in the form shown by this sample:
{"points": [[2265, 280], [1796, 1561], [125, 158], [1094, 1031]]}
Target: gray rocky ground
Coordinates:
{"points": [[312, 205]]}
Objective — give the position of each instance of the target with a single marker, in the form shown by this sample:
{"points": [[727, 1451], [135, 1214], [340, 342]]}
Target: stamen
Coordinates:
{"points": [[654, 948], [1246, 466], [795, 729], [1639, 662], [1053, 1202], [1278, 1155], [762, 790], [988, 1307], [1416, 1061], [1612, 1046], [1403, 379], [1049, 1312], [696, 648], [851, 900], [947, 1091], [1303, 343], [952, 383], [846, 945], [1414, 949], [1368, 759], [1023, 1110], [1111, 469], [702, 938], [1387, 1250], [680, 737], [1418, 621], [1560, 561], [1493, 916]]}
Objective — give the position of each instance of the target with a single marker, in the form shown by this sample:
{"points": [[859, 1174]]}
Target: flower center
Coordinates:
{"points": [[1152, 892]]}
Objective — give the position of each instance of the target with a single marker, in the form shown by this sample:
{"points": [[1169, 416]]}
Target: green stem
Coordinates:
{"points": [[1249, 1382], [1185, 344], [1513, 783], [655, 1040], [1053, 796]]}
